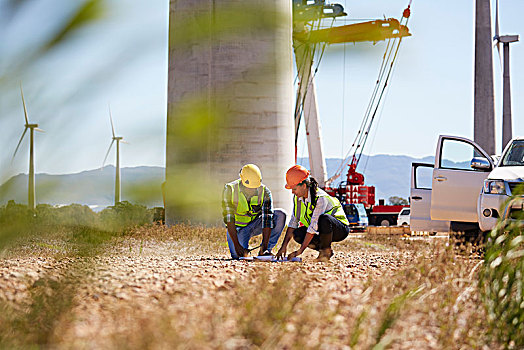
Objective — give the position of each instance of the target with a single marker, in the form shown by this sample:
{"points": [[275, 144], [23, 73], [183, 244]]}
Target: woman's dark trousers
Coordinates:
{"points": [[330, 230]]}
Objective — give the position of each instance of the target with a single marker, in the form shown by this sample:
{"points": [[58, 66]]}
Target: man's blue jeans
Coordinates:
{"points": [[254, 228]]}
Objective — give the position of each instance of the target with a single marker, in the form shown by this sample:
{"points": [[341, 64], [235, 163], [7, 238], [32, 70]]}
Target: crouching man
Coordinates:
{"points": [[248, 211]]}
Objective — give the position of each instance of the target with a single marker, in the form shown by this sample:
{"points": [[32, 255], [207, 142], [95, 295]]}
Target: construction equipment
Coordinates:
{"points": [[308, 39], [374, 31]]}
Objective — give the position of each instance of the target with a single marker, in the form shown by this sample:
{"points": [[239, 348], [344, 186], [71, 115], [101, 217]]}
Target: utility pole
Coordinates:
{"points": [[507, 131], [484, 109]]}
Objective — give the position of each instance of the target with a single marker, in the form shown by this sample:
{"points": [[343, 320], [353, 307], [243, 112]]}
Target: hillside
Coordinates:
{"points": [[389, 174]]}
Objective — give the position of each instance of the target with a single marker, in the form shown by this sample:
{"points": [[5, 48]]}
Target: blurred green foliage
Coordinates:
{"points": [[501, 279], [86, 12], [125, 215], [224, 22]]}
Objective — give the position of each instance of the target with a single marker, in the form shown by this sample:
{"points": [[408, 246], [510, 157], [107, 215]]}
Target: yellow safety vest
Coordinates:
{"points": [[246, 212], [304, 211]]}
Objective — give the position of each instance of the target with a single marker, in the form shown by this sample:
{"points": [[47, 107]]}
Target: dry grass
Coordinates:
{"points": [[155, 288]]}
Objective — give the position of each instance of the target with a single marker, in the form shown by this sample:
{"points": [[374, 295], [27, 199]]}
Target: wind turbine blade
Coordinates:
{"points": [[23, 102], [107, 154], [39, 130], [497, 33], [19, 142], [127, 143], [111, 119]]}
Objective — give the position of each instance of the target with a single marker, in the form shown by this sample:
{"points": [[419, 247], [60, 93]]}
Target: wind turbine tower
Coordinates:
{"points": [[118, 139], [507, 132], [484, 100], [32, 128], [230, 101], [507, 129]]}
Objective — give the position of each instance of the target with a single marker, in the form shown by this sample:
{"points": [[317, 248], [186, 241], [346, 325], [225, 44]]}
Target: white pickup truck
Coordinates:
{"points": [[467, 187]]}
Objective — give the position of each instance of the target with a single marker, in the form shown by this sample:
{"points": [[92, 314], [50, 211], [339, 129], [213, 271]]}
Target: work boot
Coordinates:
{"points": [[324, 255]]}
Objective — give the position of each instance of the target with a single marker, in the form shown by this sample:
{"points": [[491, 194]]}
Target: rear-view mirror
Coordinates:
{"points": [[480, 163]]}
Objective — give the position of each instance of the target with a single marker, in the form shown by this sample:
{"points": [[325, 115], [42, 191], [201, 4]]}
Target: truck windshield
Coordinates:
{"points": [[515, 154]]}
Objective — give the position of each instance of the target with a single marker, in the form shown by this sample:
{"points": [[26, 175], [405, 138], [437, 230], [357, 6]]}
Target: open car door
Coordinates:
{"points": [[420, 219], [456, 185]]}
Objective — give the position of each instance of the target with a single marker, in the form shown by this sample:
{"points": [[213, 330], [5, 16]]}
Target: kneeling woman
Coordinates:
{"points": [[322, 216]]}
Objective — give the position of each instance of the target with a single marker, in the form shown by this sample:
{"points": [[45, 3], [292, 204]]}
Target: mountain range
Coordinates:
{"points": [[389, 174], [92, 187]]}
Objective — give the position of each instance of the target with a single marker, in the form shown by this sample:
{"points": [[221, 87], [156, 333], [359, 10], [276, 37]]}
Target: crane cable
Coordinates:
{"points": [[303, 65], [306, 66], [382, 81], [405, 15]]}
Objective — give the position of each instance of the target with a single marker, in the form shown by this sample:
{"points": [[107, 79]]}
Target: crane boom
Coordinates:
{"points": [[373, 31], [317, 162]]}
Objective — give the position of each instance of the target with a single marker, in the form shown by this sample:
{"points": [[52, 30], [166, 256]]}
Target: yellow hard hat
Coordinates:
{"points": [[251, 176]]}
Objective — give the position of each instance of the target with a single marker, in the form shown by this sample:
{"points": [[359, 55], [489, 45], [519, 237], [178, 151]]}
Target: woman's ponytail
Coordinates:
{"points": [[312, 184]]}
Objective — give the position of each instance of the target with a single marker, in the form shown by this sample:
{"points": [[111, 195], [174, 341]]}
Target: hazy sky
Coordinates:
{"points": [[122, 60], [431, 91]]}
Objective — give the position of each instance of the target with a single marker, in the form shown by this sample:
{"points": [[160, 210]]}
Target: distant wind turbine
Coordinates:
{"points": [[32, 128], [507, 129], [118, 139]]}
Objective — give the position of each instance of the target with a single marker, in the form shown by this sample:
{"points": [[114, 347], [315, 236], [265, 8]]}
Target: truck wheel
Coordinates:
{"points": [[473, 237], [476, 237], [384, 222]]}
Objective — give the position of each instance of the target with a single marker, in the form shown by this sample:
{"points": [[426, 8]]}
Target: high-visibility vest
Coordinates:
{"points": [[246, 212], [304, 211]]}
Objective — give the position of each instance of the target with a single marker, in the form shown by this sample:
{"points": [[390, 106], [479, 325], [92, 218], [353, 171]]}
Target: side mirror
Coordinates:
{"points": [[480, 163]]}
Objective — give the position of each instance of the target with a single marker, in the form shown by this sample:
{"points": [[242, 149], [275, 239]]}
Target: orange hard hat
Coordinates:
{"points": [[295, 175]]}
